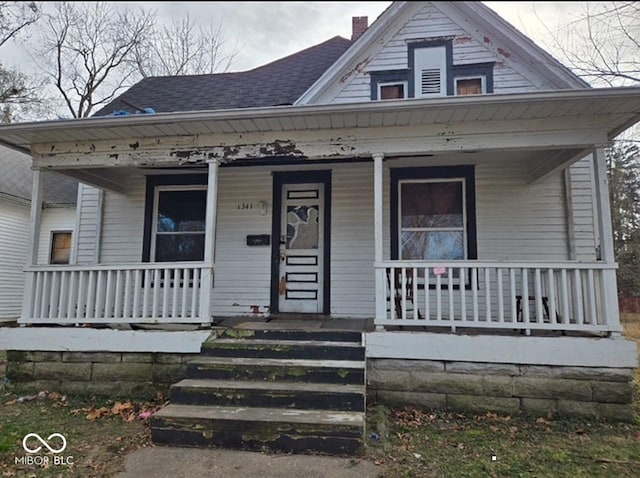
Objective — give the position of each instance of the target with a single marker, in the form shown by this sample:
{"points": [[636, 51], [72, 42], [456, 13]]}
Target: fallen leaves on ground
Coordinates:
{"points": [[59, 399], [129, 411], [413, 417]]}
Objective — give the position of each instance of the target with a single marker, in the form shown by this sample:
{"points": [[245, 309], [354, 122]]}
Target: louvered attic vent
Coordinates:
{"points": [[430, 81]]}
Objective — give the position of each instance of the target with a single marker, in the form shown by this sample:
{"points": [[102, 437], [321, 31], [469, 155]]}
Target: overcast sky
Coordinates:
{"points": [[265, 31]]}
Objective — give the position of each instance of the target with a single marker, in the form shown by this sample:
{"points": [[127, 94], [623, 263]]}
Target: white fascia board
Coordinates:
{"points": [[536, 59], [359, 47], [389, 106]]}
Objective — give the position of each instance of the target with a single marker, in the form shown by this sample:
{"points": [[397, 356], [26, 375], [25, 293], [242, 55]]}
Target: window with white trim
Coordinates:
{"points": [[392, 90], [470, 85], [432, 219], [179, 222]]}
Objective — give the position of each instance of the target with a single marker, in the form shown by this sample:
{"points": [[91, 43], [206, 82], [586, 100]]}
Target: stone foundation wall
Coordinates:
{"points": [[506, 388], [101, 373]]}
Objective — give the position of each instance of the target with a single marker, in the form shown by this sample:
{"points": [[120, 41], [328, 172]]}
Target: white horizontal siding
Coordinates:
{"points": [[54, 219], [582, 206], [14, 238], [123, 224], [515, 221], [242, 273], [89, 221], [352, 222], [431, 23]]}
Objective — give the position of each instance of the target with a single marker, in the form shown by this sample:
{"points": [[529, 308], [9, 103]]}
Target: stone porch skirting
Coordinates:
{"points": [[476, 387]]}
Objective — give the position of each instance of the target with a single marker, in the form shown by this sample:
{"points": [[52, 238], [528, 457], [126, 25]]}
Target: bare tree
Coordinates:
{"points": [[15, 17], [603, 44], [18, 92], [183, 48], [88, 51]]}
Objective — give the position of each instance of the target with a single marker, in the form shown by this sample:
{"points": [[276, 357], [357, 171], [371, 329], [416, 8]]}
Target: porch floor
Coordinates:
{"points": [[295, 322], [305, 322]]}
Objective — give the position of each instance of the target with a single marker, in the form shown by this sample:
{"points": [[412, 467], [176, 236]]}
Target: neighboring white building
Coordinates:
{"points": [[58, 224]]}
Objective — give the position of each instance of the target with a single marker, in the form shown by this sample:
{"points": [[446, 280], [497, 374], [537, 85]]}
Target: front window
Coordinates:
{"points": [[433, 213], [432, 219], [179, 224]]}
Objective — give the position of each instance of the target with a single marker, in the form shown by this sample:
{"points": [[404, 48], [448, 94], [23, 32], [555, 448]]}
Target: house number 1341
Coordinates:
{"points": [[244, 205]]}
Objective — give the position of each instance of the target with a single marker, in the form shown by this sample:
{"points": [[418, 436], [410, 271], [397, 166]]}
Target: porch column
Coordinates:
{"points": [[603, 207], [378, 196], [33, 244], [209, 242]]}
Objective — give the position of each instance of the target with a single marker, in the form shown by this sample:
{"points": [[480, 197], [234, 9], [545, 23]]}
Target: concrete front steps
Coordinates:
{"points": [[278, 390]]}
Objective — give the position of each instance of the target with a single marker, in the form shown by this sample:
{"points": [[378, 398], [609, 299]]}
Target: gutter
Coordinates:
{"points": [[405, 105]]}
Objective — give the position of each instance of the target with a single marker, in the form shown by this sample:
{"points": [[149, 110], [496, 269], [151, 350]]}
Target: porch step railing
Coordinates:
{"points": [[151, 293], [530, 296]]}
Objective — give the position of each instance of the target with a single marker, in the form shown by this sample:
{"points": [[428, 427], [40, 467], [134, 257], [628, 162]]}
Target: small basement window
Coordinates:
{"points": [[60, 247], [392, 91], [470, 86]]}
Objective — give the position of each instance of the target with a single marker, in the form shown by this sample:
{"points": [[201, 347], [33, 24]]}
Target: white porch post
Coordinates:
{"points": [[609, 286], [381, 307], [32, 250], [209, 243]]}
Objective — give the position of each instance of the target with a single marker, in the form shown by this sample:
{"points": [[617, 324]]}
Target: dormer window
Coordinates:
{"points": [[431, 73], [470, 85], [392, 91]]}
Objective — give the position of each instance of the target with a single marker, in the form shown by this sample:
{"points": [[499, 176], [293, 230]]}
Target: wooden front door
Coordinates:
{"points": [[301, 249]]}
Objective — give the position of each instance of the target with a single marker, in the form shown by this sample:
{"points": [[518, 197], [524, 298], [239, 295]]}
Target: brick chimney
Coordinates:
{"points": [[358, 26]]}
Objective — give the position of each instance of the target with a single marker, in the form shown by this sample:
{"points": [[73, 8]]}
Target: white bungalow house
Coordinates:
{"points": [[438, 183], [56, 230]]}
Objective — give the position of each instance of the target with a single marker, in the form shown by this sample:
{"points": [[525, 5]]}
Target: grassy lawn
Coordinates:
{"points": [[441, 444], [97, 438], [415, 443], [631, 323], [403, 442]]}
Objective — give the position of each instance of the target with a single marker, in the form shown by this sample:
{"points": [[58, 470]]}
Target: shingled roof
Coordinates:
{"points": [[278, 83], [17, 178]]}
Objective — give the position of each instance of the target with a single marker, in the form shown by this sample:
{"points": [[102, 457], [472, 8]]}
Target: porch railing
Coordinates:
{"points": [[567, 296], [152, 293]]}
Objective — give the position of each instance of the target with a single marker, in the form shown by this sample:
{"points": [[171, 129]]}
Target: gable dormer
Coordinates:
{"points": [[432, 73], [437, 49]]}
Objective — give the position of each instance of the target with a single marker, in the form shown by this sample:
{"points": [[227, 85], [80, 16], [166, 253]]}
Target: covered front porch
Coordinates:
{"points": [[529, 252]]}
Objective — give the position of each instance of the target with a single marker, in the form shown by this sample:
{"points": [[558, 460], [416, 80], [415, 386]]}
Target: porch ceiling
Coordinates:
{"points": [[610, 110]]}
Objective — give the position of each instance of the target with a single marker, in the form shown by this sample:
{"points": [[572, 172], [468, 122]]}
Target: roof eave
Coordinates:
{"points": [[399, 106]]}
